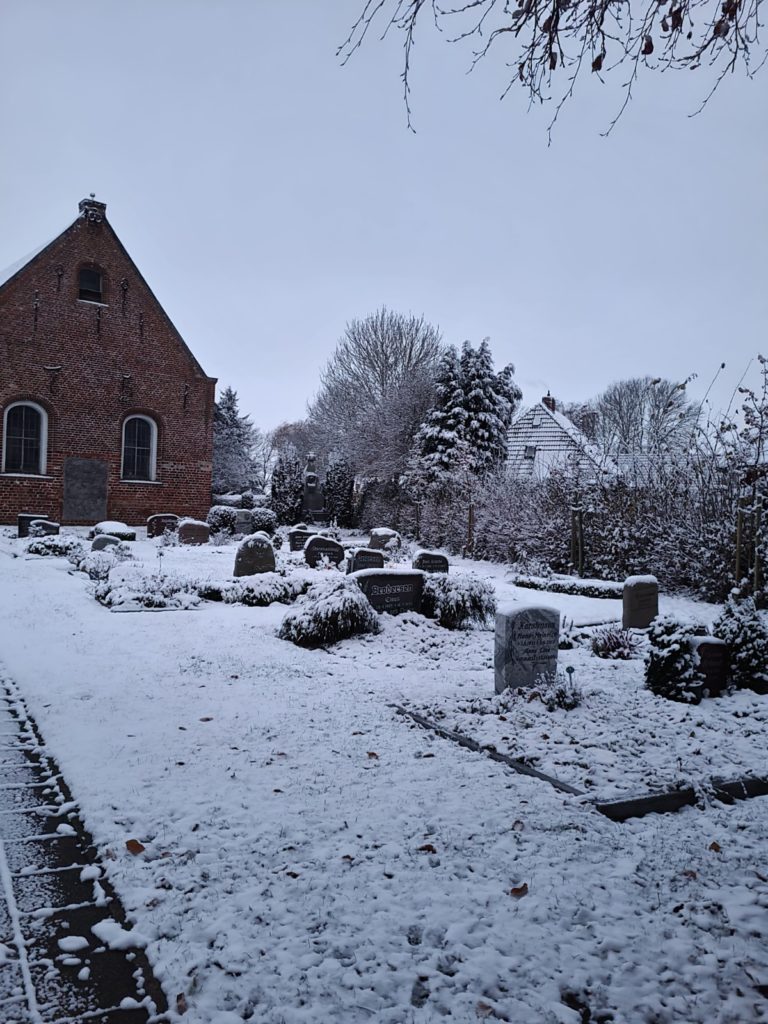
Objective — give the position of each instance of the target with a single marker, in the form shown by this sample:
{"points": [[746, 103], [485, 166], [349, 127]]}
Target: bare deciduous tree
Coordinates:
{"points": [[548, 44]]}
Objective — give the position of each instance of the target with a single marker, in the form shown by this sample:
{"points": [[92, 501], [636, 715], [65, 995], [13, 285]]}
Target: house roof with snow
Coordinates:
{"points": [[541, 438]]}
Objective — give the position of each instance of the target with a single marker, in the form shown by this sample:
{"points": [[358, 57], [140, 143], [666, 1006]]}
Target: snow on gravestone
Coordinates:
{"points": [[193, 531], [711, 658], [43, 528], [157, 525], [430, 561], [255, 554], [384, 539], [104, 540], [640, 601], [392, 590], [364, 558], [298, 538], [526, 645], [317, 548], [23, 521]]}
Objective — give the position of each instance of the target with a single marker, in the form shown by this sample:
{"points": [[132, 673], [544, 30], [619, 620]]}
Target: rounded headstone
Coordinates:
{"points": [[298, 538], [157, 525], [640, 602], [526, 645], [430, 561], [384, 539], [104, 540], [43, 528], [317, 548], [255, 554], [192, 531], [364, 558]]}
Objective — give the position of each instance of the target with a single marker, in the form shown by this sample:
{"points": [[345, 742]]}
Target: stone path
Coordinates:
{"points": [[53, 968]]}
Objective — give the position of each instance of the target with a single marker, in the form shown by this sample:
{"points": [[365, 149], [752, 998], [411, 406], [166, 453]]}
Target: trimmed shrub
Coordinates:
{"points": [[222, 519], [263, 519], [458, 601], [56, 545], [98, 564], [745, 631], [557, 692], [332, 610], [147, 592], [591, 588], [615, 643], [670, 667], [255, 592]]}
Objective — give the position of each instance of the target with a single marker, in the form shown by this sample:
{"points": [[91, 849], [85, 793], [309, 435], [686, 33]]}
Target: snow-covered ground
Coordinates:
{"points": [[311, 857]]}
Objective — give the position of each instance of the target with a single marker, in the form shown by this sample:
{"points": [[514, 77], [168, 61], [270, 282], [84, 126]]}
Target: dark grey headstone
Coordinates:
{"points": [[364, 558], [640, 602], [383, 538], [298, 538], [104, 540], [317, 548], [430, 561], [43, 528], [712, 662], [157, 525], [85, 490], [526, 645], [255, 554], [23, 521], [194, 533], [243, 522], [392, 590]]}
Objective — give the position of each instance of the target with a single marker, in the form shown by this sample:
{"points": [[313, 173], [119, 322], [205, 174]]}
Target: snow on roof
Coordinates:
{"points": [[540, 439], [14, 268]]}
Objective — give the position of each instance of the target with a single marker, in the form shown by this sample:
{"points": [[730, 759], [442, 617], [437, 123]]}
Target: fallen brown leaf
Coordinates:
{"points": [[373, 755], [427, 848], [135, 847], [715, 846], [518, 891], [181, 1003], [292, 874]]}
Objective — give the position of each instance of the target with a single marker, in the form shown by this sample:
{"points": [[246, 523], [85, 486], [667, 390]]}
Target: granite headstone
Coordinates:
{"points": [[43, 528], [364, 558], [712, 660], [298, 538], [243, 521], [526, 645], [392, 590], [384, 539], [104, 540], [640, 602], [157, 525], [317, 548], [254, 555], [430, 561], [24, 519], [192, 531]]}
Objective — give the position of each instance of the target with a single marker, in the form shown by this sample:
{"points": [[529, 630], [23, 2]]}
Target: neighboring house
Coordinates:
{"points": [[541, 438], [106, 414]]}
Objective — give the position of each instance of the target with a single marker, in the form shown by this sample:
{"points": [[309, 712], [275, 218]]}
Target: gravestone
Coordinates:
{"points": [[526, 645], [298, 538], [712, 661], [43, 528], [192, 531], [115, 529], [383, 539], [157, 525], [364, 558], [430, 561], [313, 499], [23, 521], [104, 540], [243, 523], [392, 590], [254, 555], [85, 490], [318, 547], [640, 602]]}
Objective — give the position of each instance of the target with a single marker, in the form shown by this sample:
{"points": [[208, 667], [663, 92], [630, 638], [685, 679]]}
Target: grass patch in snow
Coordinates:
{"points": [[457, 602]]}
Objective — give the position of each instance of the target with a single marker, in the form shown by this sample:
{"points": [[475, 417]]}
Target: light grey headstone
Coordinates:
{"points": [[255, 554], [640, 602], [193, 532], [526, 645], [104, 540], [243, 522]]}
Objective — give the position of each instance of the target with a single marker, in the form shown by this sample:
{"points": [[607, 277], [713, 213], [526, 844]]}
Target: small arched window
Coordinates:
{"points": [[90, 284], [25, 438], [139, 448]]}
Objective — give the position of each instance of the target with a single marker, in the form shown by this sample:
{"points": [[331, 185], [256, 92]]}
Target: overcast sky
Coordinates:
{"points": [[269, 195]]}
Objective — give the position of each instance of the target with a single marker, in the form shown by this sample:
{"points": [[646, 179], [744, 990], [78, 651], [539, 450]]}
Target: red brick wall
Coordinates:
{"points": [[114, 359]]}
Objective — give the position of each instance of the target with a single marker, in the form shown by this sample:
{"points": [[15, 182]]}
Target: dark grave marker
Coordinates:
{"points": [[157, 525], [104, 540], [382, 538], [85, 490], [712, 658], [254, 555], [526, 645], [43, 528], [364, 558], [430, 561], [24, 520], [317, 548], [298, 538], [640, 602], [392, 590], [243, 521], [192, 531]]}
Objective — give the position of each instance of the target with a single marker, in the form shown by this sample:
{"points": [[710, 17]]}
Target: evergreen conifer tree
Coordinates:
{"points": [[234, 439], [288, 486], [742, 627], [436, 442], [339, 486]]}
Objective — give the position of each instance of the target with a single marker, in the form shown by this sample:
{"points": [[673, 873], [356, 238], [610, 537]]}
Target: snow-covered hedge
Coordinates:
{"points": [[670, 668], [56, 544], [332, 610], [222, 519], [458, 601], [146, 592], [583, 588], [744, 629], [255, 591], [263, 519]]}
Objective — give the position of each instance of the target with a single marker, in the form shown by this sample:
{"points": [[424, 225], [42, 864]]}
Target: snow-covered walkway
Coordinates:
{"points": [[310, 857]]}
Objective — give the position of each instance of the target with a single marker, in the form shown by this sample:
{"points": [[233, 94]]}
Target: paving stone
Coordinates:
{"points": [[52, 889], [47, 851]]}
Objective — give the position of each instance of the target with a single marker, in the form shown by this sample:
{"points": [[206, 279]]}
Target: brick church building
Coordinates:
{"points": [[106, 414]]}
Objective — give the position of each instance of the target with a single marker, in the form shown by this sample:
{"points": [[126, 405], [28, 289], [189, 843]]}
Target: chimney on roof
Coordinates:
{"points": [[549, 401], [92, 210]]}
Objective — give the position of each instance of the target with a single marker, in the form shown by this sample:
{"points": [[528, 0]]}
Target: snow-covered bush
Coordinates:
{"points": [[153, 591], [56, 544], [222, 519], [670, 667], [458, 601], [615, 643], [98, 564], [570, 635], [277, 541], [744, 629], [255, 591], [263, 519], [558, 692], [574, 585], [331, 611]]}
